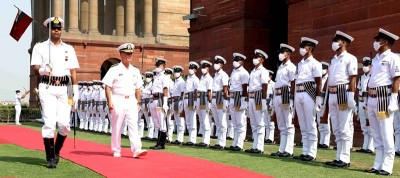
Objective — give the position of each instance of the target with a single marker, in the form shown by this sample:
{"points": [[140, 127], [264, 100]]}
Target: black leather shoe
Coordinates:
{"points": [[323, 146], [201, 144], [368, 151], [276, 154], [285, 155], [335, 147], [154, 139], [299, 157], [299, 144], [372, 170], [249, 150], [307, 158], [331, 163], [56, 158], [341, 164], [157, 147], [397, 153], [362, 150], [176, 142], [217, 147], [188, 144], [213, 137], [51, 163], [236, 148], [229, 148], [257, 151], [268, 141], [383, 173]]}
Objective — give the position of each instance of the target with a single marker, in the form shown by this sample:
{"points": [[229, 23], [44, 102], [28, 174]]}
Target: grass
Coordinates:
{"points": [[262, 163]]}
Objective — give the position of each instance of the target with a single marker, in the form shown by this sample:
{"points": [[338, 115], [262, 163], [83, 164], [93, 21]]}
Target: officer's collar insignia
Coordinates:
{"points": [[56, 21]]}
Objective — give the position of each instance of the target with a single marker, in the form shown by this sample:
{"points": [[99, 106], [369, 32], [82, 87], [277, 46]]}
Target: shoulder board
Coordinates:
{"points": [[114, 65]]}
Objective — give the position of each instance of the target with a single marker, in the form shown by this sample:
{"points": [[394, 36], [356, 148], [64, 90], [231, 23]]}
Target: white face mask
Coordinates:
{"points": [[303, 51], [178, 74], [335, 46], [217, 66], [191, 71], [324, 71], [158, 70], [148, 80], [281, 57], [236, 64], [204, 70], [256, 61], [377, 45], [366, 69]]}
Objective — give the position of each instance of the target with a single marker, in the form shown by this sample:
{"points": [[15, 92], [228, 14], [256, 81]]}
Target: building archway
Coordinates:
{"points": [[106, 65]]}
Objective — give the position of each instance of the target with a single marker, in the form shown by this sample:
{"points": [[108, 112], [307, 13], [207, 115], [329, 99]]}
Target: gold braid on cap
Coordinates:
{"points": [[56, 21]]}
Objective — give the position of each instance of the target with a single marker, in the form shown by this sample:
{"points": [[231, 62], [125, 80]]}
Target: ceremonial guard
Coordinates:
{"points": [[83, 109], [258, 85], [159, 107], [96, 108], [141, 112], [123, 84], [342, 85], [219, 103], [368, 145], [18, 103], [269, 123], [308, 91], [283, 101], [146, 98], [103, 122], [56, 63], [204, 94], [239, 81], [383, 88], [170, 122], [177, 103], [324, 126], [89, 112], [190, 103]]}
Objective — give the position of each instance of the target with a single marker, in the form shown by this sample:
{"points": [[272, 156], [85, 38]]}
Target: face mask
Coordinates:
{"points": [[365, 69], [335, 46], [191, 71], [217, 66], [256, 61], [281, 57], [204, 70], [303, 51], [158, 70], [177, 74], [377, 45], [324, 71], [236, 64]]}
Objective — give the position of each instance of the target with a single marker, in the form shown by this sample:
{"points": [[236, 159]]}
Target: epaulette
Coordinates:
{"points": [[114, 65]]}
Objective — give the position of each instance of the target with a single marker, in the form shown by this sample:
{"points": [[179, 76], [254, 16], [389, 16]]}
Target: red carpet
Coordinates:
{"points": [[98, 157]]}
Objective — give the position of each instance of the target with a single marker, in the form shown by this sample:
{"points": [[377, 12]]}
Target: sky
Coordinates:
{"points": [[15, 63]]}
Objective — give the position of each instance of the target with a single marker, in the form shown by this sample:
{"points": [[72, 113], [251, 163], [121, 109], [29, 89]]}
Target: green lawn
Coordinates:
{"points": [[264, 164]]}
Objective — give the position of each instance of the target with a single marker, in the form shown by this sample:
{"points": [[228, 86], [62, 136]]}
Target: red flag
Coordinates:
{"points": [[21, 23]]}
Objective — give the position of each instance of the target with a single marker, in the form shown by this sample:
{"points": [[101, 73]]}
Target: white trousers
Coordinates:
{"points": [[204, 119], [191, 123], [382, 131], [304, 105], [124, 109], [324, 130], [230, 131], [55, 110], [82, 118], [366, 130], [102, 118], [170, 125], [159, 116], [239, 120], [17, 113], [284, 118], [180, 126], [396, 124], [269, 127], [257, 125], [341, 126], [220, 119], [149, 123], [140, 122]]}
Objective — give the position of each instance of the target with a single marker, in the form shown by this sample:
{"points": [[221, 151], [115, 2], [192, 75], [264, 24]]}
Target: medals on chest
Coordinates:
{"points": [[66, 55]]}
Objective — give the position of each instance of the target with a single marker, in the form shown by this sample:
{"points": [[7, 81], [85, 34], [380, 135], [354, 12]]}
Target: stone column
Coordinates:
{"points": [[57, 8], [93, 17], [73, 16], [148, 18], [130, 20], [84, 16], [120, 15]]}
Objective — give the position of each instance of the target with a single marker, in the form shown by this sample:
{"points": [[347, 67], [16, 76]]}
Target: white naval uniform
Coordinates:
{"points": [[54, 99], [324, 129], [103, 122], [83, 118], [170, 122], [80, 109], [362, 113], [140, 114], [269, 123], [396, 127], [96, 117], [238, 78], [17, 108], [307, 70], [192, 83], [284, 76], [205, 85], [89, 108], [230, 132], [177, 90], [146, 93], [340, 70], [258, 77], [123, 82], [384, 68], [93, 118], [158, 114], [220, 80]]}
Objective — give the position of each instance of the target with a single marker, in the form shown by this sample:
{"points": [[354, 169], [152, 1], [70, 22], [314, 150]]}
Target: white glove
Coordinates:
{"points": [[243, 103], [165, 104], [45, 69], [318, 103], [393, 106], [264, 106], [351, 104]]}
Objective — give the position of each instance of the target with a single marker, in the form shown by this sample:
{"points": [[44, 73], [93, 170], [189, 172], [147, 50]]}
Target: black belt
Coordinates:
{"points": [[55, 80], [157, 95]]}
